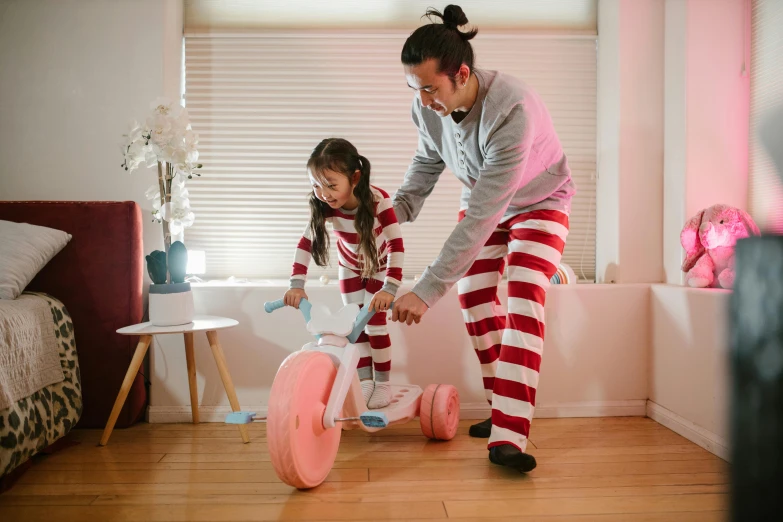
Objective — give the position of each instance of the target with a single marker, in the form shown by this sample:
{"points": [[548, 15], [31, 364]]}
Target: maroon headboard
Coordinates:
{"points": [[98, 276]]}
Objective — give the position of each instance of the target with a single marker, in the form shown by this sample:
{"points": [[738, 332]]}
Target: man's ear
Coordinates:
{"points": [[463, 75]]}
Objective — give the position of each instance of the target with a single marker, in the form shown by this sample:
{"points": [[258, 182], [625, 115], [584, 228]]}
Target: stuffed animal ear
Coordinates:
{"points": [[750, 225], [689, 238]]}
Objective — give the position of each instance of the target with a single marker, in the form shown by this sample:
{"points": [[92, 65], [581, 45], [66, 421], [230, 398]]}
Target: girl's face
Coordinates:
{"points": [[335, 189]]}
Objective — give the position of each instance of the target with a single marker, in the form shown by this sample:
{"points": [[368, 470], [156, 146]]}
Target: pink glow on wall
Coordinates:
{"points": [[718, 107]]}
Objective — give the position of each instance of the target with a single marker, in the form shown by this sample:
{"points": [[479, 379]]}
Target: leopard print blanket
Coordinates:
{"points": [[37, 421]]}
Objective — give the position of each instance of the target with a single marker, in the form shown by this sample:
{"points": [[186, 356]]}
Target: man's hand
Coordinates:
{"points": [[409, 309], [381, 301]]}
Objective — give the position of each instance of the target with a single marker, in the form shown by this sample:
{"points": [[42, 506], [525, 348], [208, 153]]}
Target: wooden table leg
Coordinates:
{"points": [[130, 376], [190, 356], [220, 360]]}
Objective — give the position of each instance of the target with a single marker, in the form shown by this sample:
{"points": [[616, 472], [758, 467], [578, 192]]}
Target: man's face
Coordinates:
{"points": [[435, 90]]}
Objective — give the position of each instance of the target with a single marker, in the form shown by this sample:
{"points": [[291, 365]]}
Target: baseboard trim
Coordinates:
{"points": [[470, 410], [179, 414], [682, 426], [630, 408]]}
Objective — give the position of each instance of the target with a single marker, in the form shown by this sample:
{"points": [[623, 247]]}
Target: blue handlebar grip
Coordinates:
{"points": [[361, 321], [304, 307], [270, 307]]}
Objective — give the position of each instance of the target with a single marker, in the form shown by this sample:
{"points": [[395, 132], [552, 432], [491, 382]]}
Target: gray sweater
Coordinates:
{"points": [[509, 159]]}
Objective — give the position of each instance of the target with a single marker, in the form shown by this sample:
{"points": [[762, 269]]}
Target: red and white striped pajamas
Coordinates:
{"points": [[510, 347], [374, 343]]}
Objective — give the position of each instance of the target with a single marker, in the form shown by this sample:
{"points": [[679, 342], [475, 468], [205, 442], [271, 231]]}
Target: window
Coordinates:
{"points": [[766, 92], [261, 100]]}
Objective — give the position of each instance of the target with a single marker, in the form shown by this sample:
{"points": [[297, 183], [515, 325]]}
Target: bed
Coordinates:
{"points": [[31, 423], [90, 289]]}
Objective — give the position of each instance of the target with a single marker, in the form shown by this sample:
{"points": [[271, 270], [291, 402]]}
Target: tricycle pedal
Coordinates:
{"points": [[240, 417]]}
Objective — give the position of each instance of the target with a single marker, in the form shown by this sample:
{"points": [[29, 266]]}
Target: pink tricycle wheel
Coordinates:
{"points": [[439, 411], [301, 450]]}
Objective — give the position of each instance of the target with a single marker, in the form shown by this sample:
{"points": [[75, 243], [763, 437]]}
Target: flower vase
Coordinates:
{"points": [[171, 304]]}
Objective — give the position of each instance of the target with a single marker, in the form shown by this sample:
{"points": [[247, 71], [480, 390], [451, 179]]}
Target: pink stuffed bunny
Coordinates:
{"points": [[709, 238]]}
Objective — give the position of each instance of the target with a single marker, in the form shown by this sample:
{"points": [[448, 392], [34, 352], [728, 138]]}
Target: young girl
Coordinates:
{"points": [[369, 248]]}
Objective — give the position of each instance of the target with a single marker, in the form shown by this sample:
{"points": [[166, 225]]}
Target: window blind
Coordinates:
{"points": [[766, 92], [260, 102]]}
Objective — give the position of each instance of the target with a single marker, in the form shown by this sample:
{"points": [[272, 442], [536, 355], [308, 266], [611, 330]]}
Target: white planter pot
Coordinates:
{"points": [[171, 305]]}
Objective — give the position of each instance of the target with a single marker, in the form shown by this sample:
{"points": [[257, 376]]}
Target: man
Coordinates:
{"points": [[497, 137]]}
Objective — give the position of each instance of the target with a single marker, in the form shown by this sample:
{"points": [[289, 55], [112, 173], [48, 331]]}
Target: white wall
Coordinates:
{"points": [[574, 15], [629, 210], [689, 383], [74, 74], [595, 359]]}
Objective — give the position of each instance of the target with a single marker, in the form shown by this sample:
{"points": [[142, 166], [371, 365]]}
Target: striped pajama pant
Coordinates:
{"points": [[374, 343], [510, 347]]}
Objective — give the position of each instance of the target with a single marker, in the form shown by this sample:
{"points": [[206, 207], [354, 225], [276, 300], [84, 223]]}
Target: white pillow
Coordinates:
{"points": [[24, 251]]}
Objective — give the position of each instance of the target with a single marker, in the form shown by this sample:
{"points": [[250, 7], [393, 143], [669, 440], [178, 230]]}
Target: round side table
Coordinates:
{"points": [[201, 323]]}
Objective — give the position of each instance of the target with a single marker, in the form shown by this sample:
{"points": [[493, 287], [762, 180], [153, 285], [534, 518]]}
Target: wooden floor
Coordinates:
{"points": [[606, 469]]}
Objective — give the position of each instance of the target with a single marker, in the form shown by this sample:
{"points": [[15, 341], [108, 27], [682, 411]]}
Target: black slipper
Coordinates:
{"points": [[481, 430], [508, 455]]}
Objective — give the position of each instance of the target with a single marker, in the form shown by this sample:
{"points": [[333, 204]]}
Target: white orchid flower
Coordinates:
{"points": [[160, 129], [161, 105], [178, 214], [135, 132], [153, 193], [165, 137], [151, 158]]}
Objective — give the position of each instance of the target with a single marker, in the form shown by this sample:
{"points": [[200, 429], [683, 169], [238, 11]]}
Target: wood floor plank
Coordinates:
{"points": [[402, 458], [555, 470], [217, 513], [35, 476], [437, 488], [609, 440], [622, 464], [47, 500], [470, 509], [631, 449], [229, 433], [67, 456], [712, 516], [407, 496]]}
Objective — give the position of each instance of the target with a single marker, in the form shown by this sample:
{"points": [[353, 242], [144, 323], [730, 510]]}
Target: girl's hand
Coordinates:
{"points": [[294, 296], [381, 301]]}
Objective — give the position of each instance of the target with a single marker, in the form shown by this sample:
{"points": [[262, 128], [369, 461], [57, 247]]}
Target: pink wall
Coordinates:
{"points": [[718, 103], [707, 108], [641, 152], [629, 204]]}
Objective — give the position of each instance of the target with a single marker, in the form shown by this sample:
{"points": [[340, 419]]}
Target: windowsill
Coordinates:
{"points": [[688, 289], [261, 283], [283, 284], [407, 284]]}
